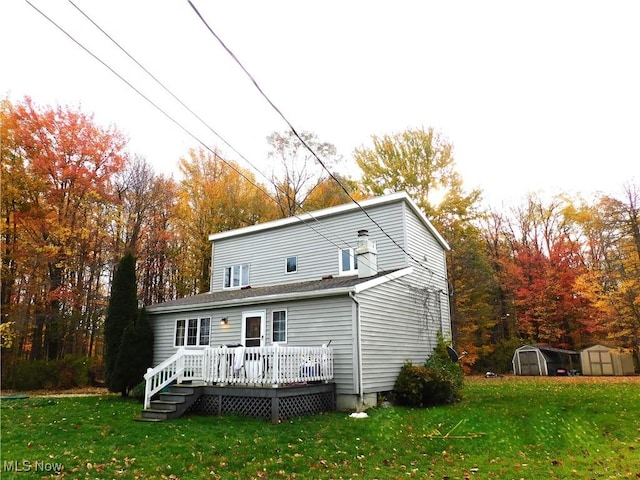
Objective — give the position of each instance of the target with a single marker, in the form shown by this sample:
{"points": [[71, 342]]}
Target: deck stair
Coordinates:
{"points": [[171, 404]]}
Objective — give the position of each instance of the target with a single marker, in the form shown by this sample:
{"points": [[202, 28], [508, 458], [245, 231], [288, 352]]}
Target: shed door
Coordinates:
{"points": [[529, 363], [601, 362]]}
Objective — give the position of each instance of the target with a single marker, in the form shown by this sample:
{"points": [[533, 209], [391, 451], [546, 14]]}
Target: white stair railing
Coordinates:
{"points": [[182, 365], [259, 366]]}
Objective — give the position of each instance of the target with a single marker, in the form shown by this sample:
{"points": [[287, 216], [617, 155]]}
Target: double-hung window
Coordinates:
{"points": [[279, 326], [192, 332], [348, 261], [236, 276]]}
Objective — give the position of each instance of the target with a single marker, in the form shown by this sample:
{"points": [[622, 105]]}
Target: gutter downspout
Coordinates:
{"points": [[359, 347]]}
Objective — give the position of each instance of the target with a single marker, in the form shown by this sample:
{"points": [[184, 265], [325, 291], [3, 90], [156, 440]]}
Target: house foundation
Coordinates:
{"points": [[350, 403]]}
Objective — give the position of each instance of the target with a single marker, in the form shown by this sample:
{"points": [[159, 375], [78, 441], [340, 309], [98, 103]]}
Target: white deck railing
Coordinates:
{"points": [[256, 366]]}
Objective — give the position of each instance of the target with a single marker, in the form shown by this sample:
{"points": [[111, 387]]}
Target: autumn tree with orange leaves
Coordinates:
{"points": [[57, 170]]}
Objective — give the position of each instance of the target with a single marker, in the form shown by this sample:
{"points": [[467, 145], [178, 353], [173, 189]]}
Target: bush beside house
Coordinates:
{"points": [[438, 382]]}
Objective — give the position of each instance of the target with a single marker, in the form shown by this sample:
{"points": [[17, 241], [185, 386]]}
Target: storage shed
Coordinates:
{"points": [[541, 360], [604, 360]]}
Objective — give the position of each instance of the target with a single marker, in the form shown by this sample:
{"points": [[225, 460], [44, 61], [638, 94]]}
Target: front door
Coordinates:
{"points": [[253, 328]]}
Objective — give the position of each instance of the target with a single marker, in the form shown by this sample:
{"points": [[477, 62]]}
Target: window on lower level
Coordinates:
{"points": [[279, 326], [348, 261], [236, 276], [192, 332], [205, 331]]}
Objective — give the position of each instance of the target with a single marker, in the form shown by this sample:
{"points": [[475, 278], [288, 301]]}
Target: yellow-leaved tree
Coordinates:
{"points": [[215, 195], [612, 231], [421, 162]]}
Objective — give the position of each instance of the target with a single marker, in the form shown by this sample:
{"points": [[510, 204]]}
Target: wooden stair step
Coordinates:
{"points": [[146, 419], [174, 397], [171, 404]]}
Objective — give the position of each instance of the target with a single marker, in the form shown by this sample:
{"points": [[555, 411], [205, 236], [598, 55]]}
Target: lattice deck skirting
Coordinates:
{"points": [[275, 404]]}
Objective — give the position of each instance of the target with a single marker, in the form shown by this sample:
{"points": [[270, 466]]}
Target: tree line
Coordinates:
{"points": [[563, 271]]}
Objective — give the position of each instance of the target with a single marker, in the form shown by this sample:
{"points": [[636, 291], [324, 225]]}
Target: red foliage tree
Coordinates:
{"points": [[68, 163]]}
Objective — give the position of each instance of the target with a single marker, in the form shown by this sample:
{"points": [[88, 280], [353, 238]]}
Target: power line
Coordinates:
{"points": [[173, 120], [129, 84], [201, 142], [203, 122], [302, 141]]}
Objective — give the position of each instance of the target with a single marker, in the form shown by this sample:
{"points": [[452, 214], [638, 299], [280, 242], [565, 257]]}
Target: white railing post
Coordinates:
{"points": [[206, 364], [275, 365], [147, 389], [222, 353], [180, 365]]}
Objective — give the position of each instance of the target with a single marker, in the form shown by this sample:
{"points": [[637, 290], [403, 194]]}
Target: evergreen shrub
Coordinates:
{"points": [[438, 382]]}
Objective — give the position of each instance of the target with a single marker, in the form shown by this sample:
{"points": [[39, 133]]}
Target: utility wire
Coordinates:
{"points": [[166, 89], [203, 122], [201, 142], [177, 123], [302, 141], [173, 120]]}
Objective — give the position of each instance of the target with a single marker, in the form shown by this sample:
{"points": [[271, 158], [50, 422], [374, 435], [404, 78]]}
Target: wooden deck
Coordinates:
{"points": [[263, 367], [274, 404]]}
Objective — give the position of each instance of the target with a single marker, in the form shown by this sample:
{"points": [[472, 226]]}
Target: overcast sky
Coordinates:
{"points": [[534, 96]]}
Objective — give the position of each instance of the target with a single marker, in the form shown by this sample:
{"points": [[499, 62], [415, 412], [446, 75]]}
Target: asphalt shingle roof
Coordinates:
{"points": [[327, 283]]}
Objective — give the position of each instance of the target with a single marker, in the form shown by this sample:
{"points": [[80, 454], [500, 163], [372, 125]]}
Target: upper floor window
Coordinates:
{"points": [[348, 261], [279, 326], [192, 332], [236, 276], [291, 264]]}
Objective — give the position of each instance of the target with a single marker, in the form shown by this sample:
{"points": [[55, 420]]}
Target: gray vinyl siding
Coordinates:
{"points": [[309, 323], [315, 243], [395, 327], [164, 325], [315, 322], [424, 247]]}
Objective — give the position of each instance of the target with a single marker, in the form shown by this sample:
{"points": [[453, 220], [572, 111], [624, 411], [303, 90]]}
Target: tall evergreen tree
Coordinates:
{"points": [[121, 313], [135, 354]]}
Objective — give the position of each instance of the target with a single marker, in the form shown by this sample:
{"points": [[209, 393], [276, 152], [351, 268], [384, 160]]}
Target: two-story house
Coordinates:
{"points": [[368, 278]]}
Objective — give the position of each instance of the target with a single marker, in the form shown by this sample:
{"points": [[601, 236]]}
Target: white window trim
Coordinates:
{"points": [[352, 254], [175, 333], [285, 265], [200, 331], [186, 332], [286, 326], [242, 266]]}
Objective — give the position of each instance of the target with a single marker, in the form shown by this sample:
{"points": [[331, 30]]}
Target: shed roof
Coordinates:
{"points": [[314, 288], [545, 348], [601, 346]]}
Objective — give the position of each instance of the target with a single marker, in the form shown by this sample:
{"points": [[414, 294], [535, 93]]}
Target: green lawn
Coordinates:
{"points": [[504, 428]]}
